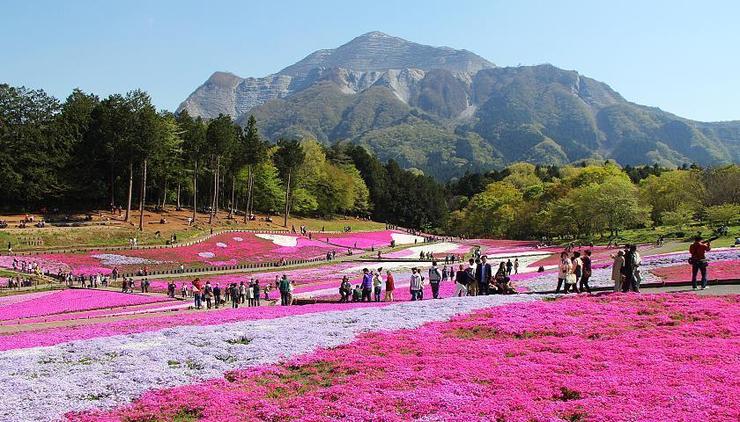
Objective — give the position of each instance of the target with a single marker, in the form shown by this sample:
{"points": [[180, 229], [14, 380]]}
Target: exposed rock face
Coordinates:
{"points": [[370, 59]]}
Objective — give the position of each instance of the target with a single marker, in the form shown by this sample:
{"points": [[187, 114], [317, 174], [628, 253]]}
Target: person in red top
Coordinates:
{"points": [[698, 261]]}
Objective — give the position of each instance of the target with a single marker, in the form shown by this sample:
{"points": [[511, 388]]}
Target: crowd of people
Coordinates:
{"points": [[215, 296]]}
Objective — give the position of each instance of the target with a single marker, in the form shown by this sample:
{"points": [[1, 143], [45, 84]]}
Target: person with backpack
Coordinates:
{"points": [[208, 293], [217, 295], [435, 277], [284, 288]]}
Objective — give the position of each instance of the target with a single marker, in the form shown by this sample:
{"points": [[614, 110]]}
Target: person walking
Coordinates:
{"points": [[483, 275], [250, 293], [367, 284], [509, 266], [586, 271], [462, 279], [565, 269], [516, 265], [577, 269], [415, 286], [284, 287], [630, 269], [698, 261], [617, 275], [390, 286], [435, 277]]}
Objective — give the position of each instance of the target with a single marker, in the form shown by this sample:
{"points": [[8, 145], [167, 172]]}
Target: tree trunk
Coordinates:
{"points": [[112, 189], [233, 204], [214, 199], [195, 190], [249, 193], [287, 201], [178, 196], [143, 196], [130, 188], [164, 195]]}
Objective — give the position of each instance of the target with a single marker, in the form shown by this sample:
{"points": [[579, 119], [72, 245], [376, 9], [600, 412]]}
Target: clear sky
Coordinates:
{"points": [[681, 56]]}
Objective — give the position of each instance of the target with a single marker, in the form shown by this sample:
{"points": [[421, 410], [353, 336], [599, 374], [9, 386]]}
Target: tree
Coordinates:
{"points": [[288, 157], [221, 137], [255, 152], [493, 211], [723, 214], [193, 133], [672, 189]]}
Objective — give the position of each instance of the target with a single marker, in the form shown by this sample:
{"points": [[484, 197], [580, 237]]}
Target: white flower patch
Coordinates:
{"points": [[405, 239], [279, 239], [206, 254], [238, 239], [221, 245], [44, 383], [434, 248], [110, 259]]}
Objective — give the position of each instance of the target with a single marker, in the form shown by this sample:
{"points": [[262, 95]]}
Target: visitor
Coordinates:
{"points": [[502, 281], [445, 271], [462, 279], [630, 269], [217, 295], [256, 292], [356, 294], [577, 269], [208, 294], [586, 271], [367, 284], [183, 290], [435, 276], [509, 266], [390, 286], [242, 292], [516, 265], [234, 295], [698, 261], [415, 284], [196, 293], [565, 268], [291, 288], [377, 284], [473, 286], [483, 275], [617, 266], [250, 293], [284, 287], [345, 290]]}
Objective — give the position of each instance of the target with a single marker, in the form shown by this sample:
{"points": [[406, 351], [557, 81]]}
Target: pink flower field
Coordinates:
{"points": [[76, 300], [227, 249], [720, 270], [367, 240], [611, 357]]}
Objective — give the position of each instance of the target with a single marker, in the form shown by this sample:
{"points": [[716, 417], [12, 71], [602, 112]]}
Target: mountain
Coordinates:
{"points": [[446, 111]]}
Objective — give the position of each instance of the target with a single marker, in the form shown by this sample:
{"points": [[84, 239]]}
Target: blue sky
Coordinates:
{"points": [[681, 56]]}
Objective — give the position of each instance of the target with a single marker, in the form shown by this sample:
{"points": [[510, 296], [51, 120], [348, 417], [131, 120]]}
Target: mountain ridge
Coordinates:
{"points": [[447, 111]]}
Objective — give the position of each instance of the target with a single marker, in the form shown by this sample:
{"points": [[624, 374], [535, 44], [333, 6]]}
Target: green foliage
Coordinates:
{"points": [[726, 214]]}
